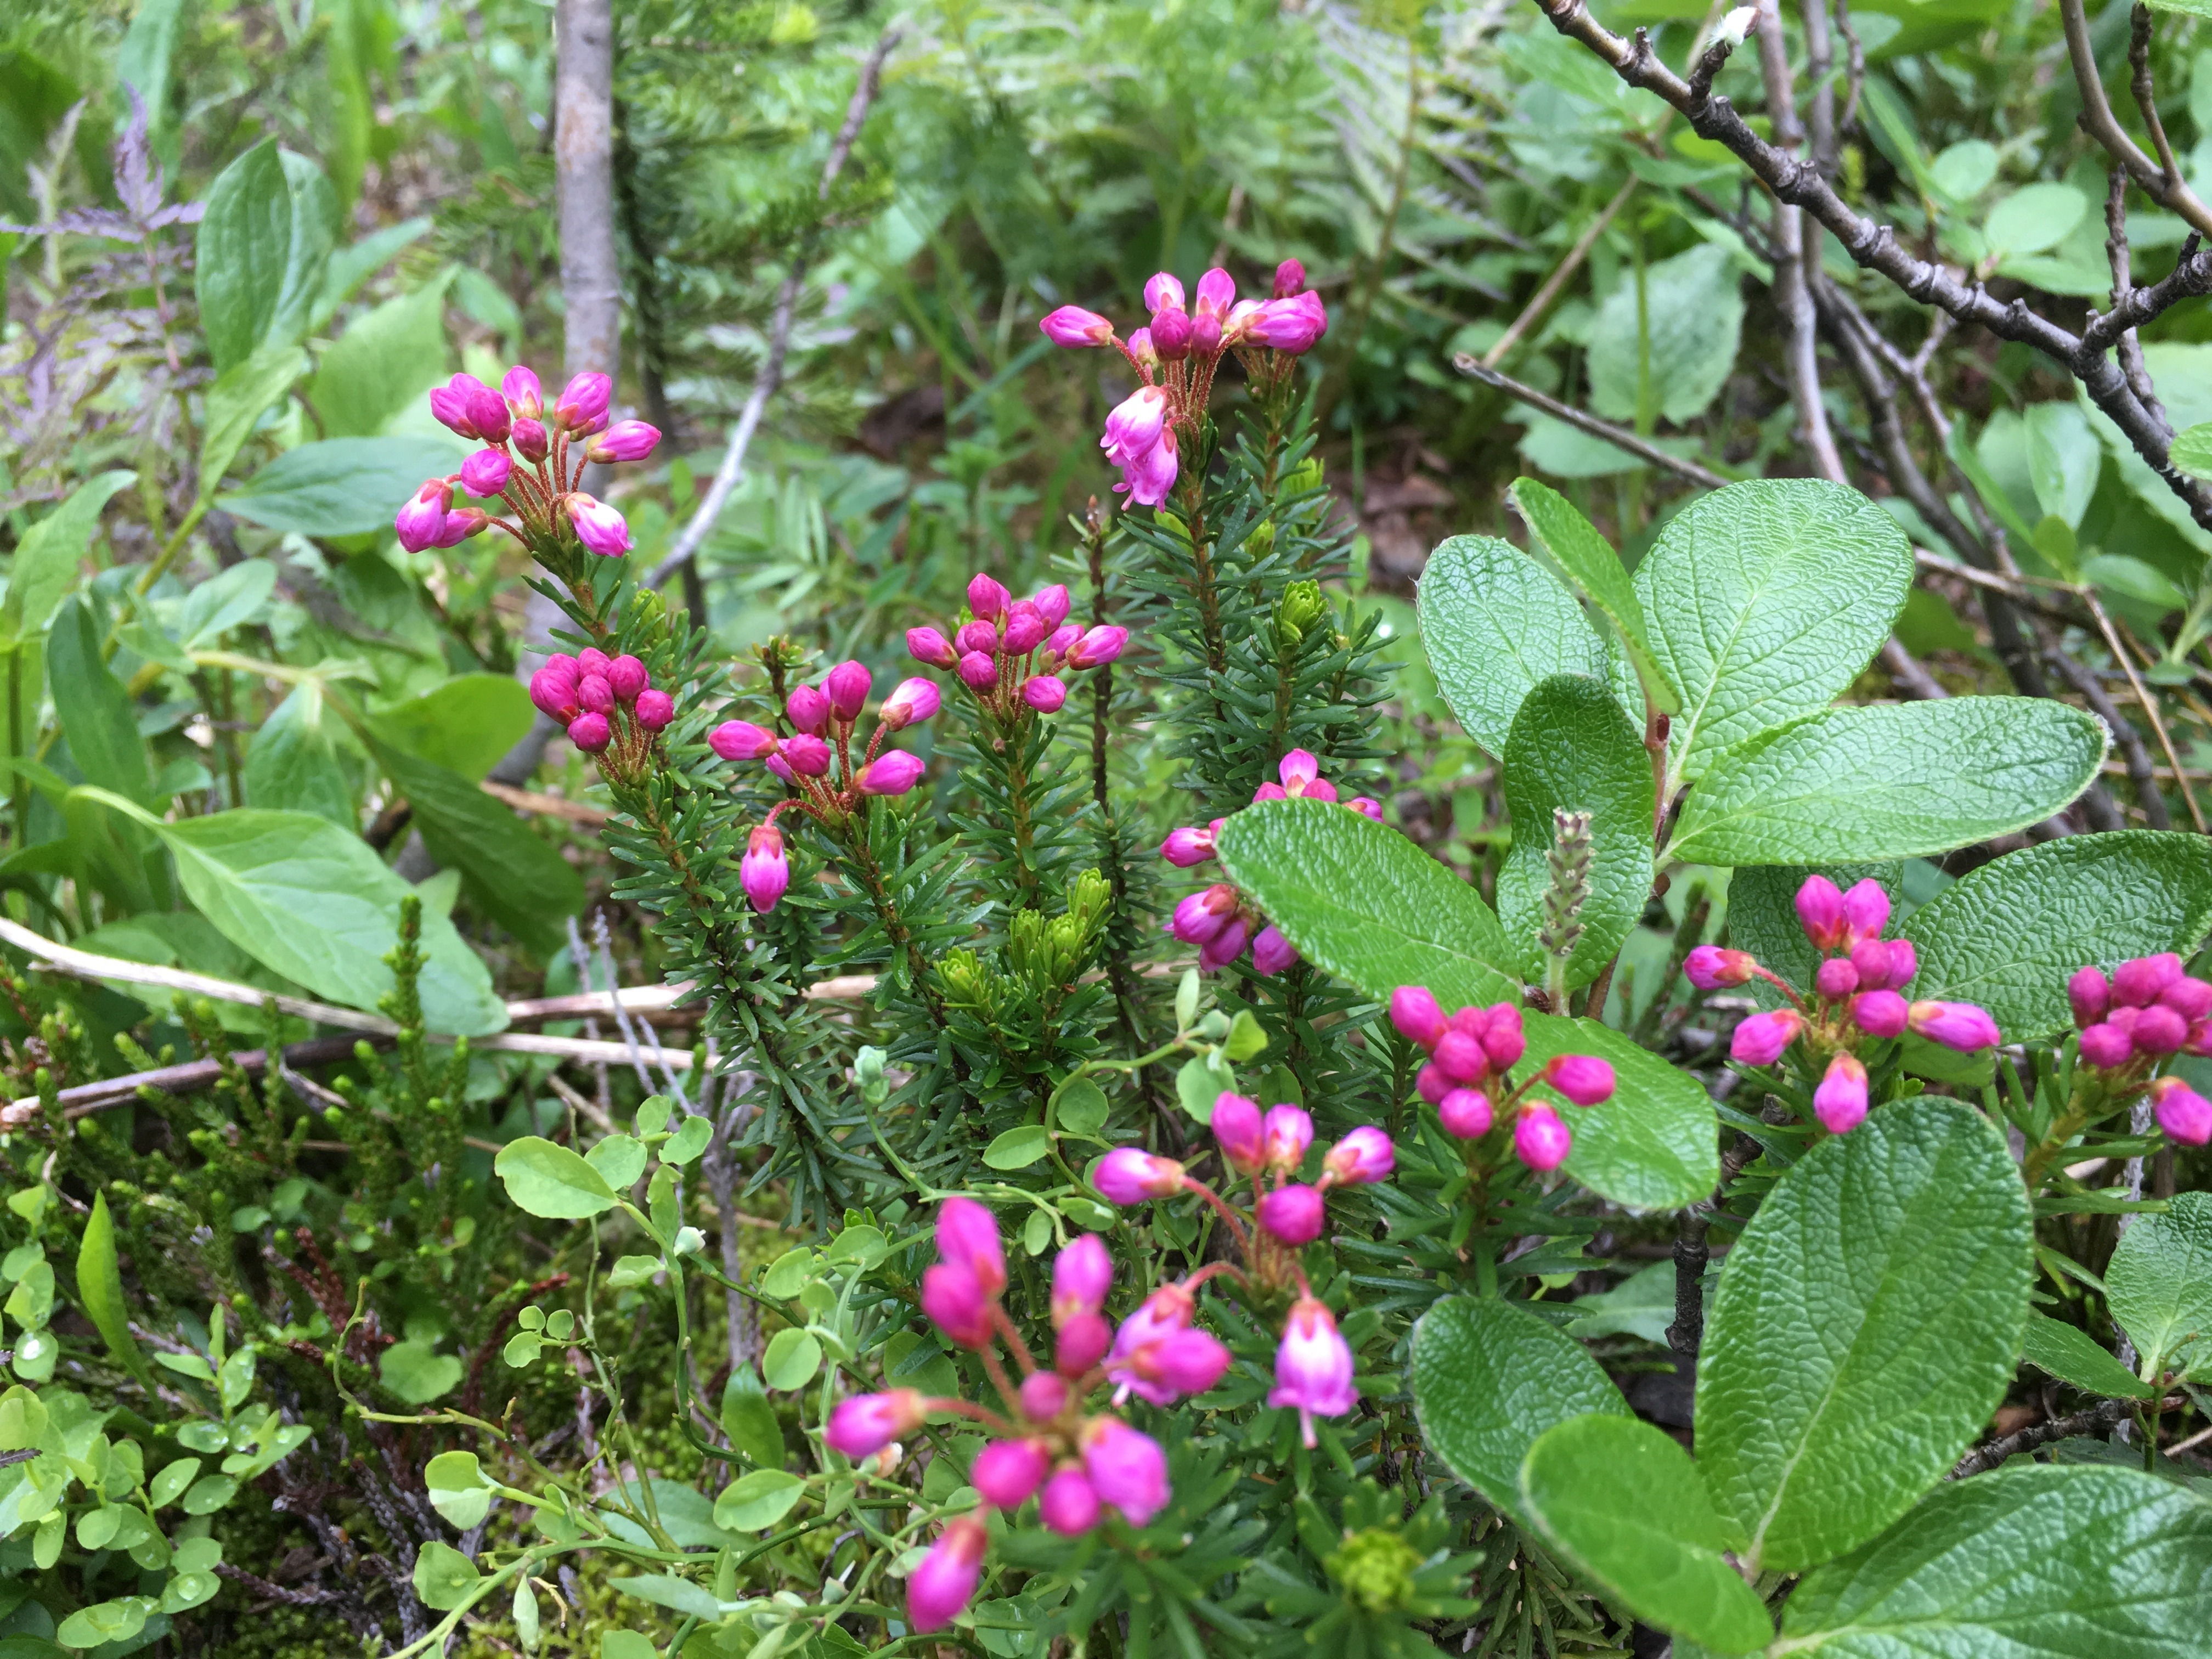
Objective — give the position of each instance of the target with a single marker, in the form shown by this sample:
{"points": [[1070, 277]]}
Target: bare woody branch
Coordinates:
{"points": [[2159, 179]]}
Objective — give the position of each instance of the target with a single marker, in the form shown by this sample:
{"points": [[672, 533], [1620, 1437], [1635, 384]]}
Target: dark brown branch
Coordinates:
{"points": [[2164, 188], [2103, 1415], [1619, 436], [2123, 284]]}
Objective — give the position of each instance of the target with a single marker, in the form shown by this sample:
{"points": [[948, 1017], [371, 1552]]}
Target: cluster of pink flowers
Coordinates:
{"points": [[1313, 1364], [817, 760], [1857, 995], [1077, 1462], [1217, 919], [1469, 1076], [549, 445], [1177, 355], [1012, 652], [2148, 1012], [608, 704]]}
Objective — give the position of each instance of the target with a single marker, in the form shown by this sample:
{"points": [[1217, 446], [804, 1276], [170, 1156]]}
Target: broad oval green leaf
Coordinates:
{"points": [[1690, 324], [444, 1577], [1489, 1377], [792, 1358], [2064, 1563], [49, 555], [1018, 1147], [2008, 935], [1655, 1144], [551, 1181], [243, 248], [383, 363], [341, 486], [755, 1502], [2160, 1286], [2069, 1354], [1866, 1325], [620, 1160], [1082, 1106], [749, 1421], [418, 1373], [1361, 900], [1496, 624], [1624, 1502], [1765, 600], [1592, 566], [459, 1491], [1572, 749], [1889, 782]]}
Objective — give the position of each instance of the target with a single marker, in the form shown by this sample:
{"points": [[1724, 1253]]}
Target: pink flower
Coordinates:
{"points": [[978, 638], [977, 671], [1128, 1469], [1026, 628], [1820, 912], [1760, 1040], [488, 413], [1367, 807], [1880, 1014], [2190, 998], [940, 1587], [1006, 1471], [1100, 645], [1163, 293], [519, 386], [594, 695], [805, 754], [1289, 277], [555, 694], [627, 675], [1238, 1132], [1170, 334], [1162, 1367], [656, 709], [461, 524], [583, 406], [1583, 1078], [1134, 425], [1187, 847], [2090, 993], [1502, 1040], [956, 1303], [1903, 963], [485, 473], [1286, 1131], [598, 527], [1465, 1113], [1070, 1505], [1225, 946], [1959, 1025], [1206, 334], [1045, 693], [530, 441], [1081, 1275], [1460, 1057], [625, 440], [764, 872], [1052, 603], [591, 733], [1272, 952], [927, 645], [2184, 1114], [1217, 292], [2158, 1031], [423, 520], [1043, 1396], [1866, 912], [912, 702], [986, 596], [1539, 1139], [1082, 1343], [449, 403], [1293, 325], [1128, 1175], [2136, 983], [1292, 1214], [1710, 968], [968, 1235], [1200, 916], [592, 661], [847, 687], [807, 708], [1837, 977], [1840, 1101], [1431, 1084], [1362, 1158], [1074, 327], [891, 775], [1141, 352], [2107, 1046], [866, 1424], [1415, 1012], [741, 740], [1313, 1367], [1147, 478]]}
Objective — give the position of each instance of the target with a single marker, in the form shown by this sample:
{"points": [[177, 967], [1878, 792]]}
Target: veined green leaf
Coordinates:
{"points": [[1592, 565], [2161, 1286], [1495, 624], [47, 558], [2069, 1354], [548, 1180], [341, 486]]}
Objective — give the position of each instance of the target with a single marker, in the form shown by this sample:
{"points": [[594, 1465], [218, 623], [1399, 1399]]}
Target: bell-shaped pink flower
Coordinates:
{"points": [[484, 474], [1141, 350], [806, 754], [1161, 1369], [1134, 425], [1098, 646], [807, 708], [1225, 946], [2090, 993], [1293, 325], [1129, 1175], [1128, 1469], [1820, 912], [939, 1589], [1081, 1343], [980, 637], [968, 1234], [524, 395], [1959, 1025], [530, 441], [601, 528], [1163, 293], [912, 702], [764, 872], [1062, 638], [1838, 977], [1147, 478], [627, 676], [1200, 916], [847, 687], [582, 408], [1414, 1011], [422, 520], [488, 413], [1362, 1158], [555, 695], [1294, 1213], [986, 596], [1187, 847], [1043, 1395], [1583, 1078], [1238, 1132], [978, 671], [1540, 1140], [1880, 1014], [1074, 327], [1046, 693], [1760, 1040], [1465, 1113], [1840, 1101], [1081, 1275], [1286, 1131], [1006, 1471], [625, 440], [1367, 807], [928, 646], [1217, 292], [2184, 1114], [866, 1424], [656, 709], [2107, 1046], [589, 732], [956, 1303], [1272, 952], [1070, 1504], [741, 740], [1866, 912], [1313, 1367], [2136, 983], [892, 774]]}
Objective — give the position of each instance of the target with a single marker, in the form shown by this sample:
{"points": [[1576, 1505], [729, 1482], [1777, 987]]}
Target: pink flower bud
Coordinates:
{"points": [[1866, 912], [485, 473], [1188, 846], [2106, 1045], [2190, 998], [1199, 917], [978, 672], [1465, 1113], [1052, 603], [530, 441], [1820, 912], [1959, 1025], [2091, 993], [1206, 333], [848, 686], [1880, 1014], [656, 709], [2184, 1114], [1903, 963], [1313, 1367], [1225, 946], [741, 740], [1170, 333], [1366, 1156], [1837, 977], [1043, 1395], [627, 675], [1293, 1214], [555, 695], [592, 661], [1062, 638], [1135, 424], [1025, 629], [968, 1236], [583, 406], [764, 872], [1272, 952], [1710, 968], [893, 774], [1583, 1078], [986, 596], [1414, 1011], [601, 528], [489, 413], [449, 404], [1160, 1369], [1082, 1343], [461, 524], [591, 733], [807, 708], [940, 1587], [1074, 327], [1431, 1084], [519, 386], [2136, 983], [1539, 1139], [808, 754], [980, 637], [928, 646], [1069, 1506], [2159, 1031], [1840, 1101], [957, 1303], [1217, 292], [1237, 1131], [1128, 1469], [1869, 960], [1006, 1471], [1081, 1275], [1289, 278], [1163, 293], [1460, 1057], [782, 769], [1367, 807], [1504, 1040], [1760, 1040], [1128, 1175], [912, 702], [625, 440], [422, 520], [1141, 351], [1293, 326], [1046, 693], [866, 1424], [1286, 1133], [1102, 645]]}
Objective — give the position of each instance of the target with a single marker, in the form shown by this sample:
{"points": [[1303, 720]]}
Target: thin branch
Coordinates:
{"points": [[2140, 83], [2123, 284], [778, 340], [1619, 436], [2097, 120], [2103, 1415], [1541, 300]]}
